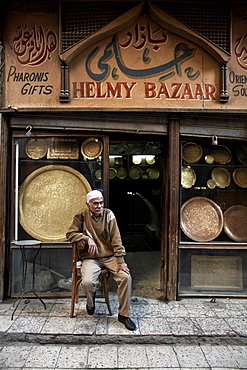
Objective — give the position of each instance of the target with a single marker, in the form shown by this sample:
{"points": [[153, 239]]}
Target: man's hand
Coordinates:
{"points": [[123, 267], [92, 247]]}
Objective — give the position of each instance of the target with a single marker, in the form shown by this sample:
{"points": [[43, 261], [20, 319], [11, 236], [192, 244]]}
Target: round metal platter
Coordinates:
{"points": [[36, 148], [98, 174], [240, 177], [201, 219], [49, 198], [235, 223], [112, 173], [211, 184], [121, 173], [221, 176], [221, 154], [150, 160], [191, 152], [188, 177], [153, 173], [91, 148], [242, 154], [209, 159], [135, 172]]}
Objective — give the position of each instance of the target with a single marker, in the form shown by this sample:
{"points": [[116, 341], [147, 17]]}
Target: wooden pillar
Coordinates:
{"points": [[105, 177], [173, 208], [3, 214]]}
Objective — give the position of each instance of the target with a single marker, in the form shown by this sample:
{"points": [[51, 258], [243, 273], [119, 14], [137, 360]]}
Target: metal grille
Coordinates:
{"points": [[210, 20], [80, 20]]}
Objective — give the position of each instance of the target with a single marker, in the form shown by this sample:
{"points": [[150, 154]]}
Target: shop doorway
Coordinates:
{"points": [[135, 196]]}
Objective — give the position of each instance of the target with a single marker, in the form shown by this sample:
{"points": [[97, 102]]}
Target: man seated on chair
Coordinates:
{"points": [[97, 230]]}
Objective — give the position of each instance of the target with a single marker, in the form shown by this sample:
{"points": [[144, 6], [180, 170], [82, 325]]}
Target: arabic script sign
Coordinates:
{"points": [[34, 47], [144, 63]]}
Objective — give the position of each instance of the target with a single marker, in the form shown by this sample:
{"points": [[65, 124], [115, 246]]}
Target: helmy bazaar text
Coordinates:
{"points": [[124, 90], [110, 61]]}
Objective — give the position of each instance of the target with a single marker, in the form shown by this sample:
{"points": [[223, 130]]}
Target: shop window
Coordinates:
{"points": [[213, 234], [54, 175]]}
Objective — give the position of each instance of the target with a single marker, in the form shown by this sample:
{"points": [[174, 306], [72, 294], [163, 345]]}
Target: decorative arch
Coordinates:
{"points": [[164, 20]]}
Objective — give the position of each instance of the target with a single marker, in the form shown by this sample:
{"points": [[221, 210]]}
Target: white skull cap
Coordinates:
{"points": [[93, 194]]}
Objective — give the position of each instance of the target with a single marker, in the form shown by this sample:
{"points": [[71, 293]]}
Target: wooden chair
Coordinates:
{"points": [[77, 279]]}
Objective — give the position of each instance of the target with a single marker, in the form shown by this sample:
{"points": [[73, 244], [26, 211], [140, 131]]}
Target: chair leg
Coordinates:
{"points": [[105, 282], [73, 294]]}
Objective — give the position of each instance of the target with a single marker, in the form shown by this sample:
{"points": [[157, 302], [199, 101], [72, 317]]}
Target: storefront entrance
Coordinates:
{"points": [[135, 196], [53, 174]]}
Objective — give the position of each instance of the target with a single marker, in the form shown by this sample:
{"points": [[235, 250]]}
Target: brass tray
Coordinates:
{"points": [[201, 219], [153, 173], [240, 177], [188, 177], [209, 159], [63, 149], [49, 198], [191, 152], [221, 154], [98, 174], [211, 184], [150, 159], [121, 173], [36, 148], [242, 154], [112, 173], [91, 148], [136, 159], [221, 176], [135, 172], [235, 223]]}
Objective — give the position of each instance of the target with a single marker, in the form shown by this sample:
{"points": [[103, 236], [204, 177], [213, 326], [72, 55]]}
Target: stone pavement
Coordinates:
{"points": [[186, 334]]}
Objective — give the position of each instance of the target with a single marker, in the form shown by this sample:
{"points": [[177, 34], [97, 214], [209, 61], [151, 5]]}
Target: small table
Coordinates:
{"points": [[30, 244]]}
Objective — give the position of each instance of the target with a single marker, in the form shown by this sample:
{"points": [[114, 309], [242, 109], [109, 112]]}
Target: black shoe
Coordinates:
{"points": [[90, 310], [129, 324]]}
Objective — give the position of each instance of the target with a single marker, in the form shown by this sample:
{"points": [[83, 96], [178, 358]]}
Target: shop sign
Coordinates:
{"points": [[144, 66]]}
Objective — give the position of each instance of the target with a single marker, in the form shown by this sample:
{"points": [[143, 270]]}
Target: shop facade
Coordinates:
{"points": [[131, 99]]}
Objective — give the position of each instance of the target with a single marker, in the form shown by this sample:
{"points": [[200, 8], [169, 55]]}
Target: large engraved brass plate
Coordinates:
{"points": [[216, 273], [235, 223], [201, 219], [49, 198]]}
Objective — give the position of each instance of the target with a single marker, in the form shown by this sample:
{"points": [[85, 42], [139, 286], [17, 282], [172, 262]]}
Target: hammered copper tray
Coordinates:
{"points": [[91, 148], [191, 152], [221, 176], [201, 219], [188, 177], [240, 177], [221, 154], [235, 223], [36, 148], [49, 198]]}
